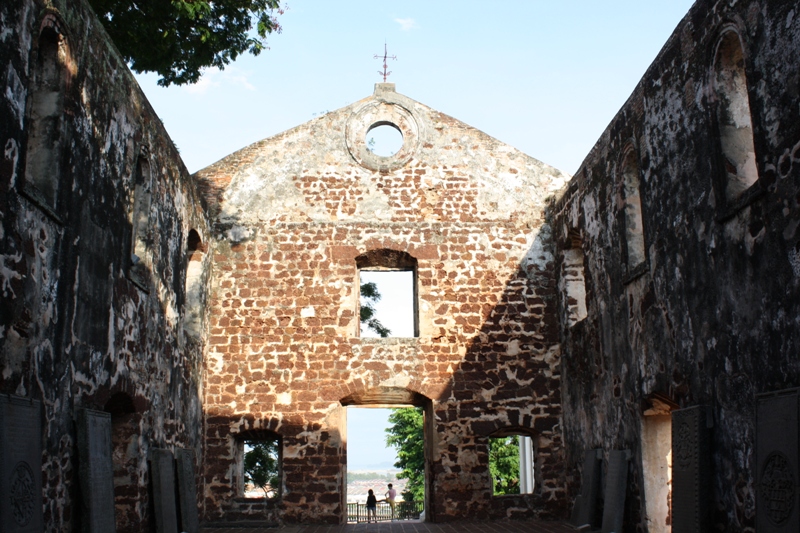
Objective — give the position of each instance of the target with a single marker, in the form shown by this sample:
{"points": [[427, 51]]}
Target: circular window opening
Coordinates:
{"points": [[384, 139]]}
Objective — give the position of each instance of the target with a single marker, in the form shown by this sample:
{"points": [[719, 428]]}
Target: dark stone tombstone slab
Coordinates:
{"points": [[187, 491], [162, 476], [616, 488], [777, 489], [20, 465], [96, 471], [691, 463], [586, 502]]}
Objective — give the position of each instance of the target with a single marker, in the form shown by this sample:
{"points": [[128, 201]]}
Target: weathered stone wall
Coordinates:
{"points": [[75, 330], [712, 317], [292, 215]]}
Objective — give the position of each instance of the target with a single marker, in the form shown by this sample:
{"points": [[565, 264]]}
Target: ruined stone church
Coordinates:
{"points": [[639, 322]]}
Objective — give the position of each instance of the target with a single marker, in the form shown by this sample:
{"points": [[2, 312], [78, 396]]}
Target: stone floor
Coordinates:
{"points": [[414, 527]]}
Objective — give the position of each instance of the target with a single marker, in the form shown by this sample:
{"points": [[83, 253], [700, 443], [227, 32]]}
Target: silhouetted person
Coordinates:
{"points": [[372, 504]]}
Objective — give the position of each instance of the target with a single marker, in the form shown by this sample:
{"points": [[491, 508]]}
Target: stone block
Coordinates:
{"points": [[690, 469], [187, 491], [583, 513], [20, 465], [615, 491], [96, 471], [162, 476], [777, 490]]}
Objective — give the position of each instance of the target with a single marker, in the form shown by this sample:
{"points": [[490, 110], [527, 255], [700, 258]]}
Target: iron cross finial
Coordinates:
{"points": [[386, 56]]}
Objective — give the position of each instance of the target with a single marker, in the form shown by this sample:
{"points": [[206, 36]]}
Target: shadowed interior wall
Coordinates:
{"points": [[712, 319], [77, 327]]}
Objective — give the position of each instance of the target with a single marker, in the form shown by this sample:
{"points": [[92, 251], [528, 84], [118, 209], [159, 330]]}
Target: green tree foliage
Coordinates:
{"points": [[179, 38], [405, 434], [370, 295], [504, 465], [262, 466]]}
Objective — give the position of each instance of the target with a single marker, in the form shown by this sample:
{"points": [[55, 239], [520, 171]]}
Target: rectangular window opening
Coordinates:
{"points": [[511, 464], [261, 466], [388, 303]]}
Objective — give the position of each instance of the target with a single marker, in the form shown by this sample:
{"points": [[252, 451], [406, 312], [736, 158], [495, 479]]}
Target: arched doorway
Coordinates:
{"points": [[129, 491], [391, 398]]}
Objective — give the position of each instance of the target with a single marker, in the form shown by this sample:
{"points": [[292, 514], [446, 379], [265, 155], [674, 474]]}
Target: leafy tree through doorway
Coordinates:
{"points": [[406, 435]]}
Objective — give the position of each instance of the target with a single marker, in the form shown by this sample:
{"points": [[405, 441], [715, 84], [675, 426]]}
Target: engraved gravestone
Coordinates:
{"points": [[96, 471], [20, 465], [162, 475], [777, 494], [690, 469], [187, 491], [616, 488], [586, 502]]}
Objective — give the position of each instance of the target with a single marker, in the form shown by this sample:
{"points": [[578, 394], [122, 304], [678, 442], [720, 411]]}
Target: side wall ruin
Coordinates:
{"points": [[707, 315], [95, 211]]}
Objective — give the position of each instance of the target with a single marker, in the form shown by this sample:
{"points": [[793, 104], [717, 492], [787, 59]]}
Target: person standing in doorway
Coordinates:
{"points": [[391, 496], [372, 504]]}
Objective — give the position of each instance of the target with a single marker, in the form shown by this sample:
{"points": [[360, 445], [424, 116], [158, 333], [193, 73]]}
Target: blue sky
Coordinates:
{"points": [[544, 76], [366, 440]]}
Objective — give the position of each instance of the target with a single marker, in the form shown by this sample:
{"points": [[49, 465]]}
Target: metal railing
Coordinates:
{"points": [[357, 512]]}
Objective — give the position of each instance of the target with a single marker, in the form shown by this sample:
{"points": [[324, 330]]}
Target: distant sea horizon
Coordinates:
{"points": [[374, 467]]}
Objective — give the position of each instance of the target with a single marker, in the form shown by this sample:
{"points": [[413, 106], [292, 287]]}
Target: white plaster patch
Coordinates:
{"points": [[239, 233], [6, 32], [16, 95], [553, 355], [751, 240], [215, 362], [7, 274], [538, 254], [284, 398], [11, 152], [308, 312], [400, 381], [592, 227]]}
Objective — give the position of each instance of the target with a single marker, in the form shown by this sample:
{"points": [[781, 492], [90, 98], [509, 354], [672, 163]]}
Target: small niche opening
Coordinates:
{"points": [[195, 303], [140, 223], [634, 227], [46, 136], [572, 281], [733, 117], [384, 139]]}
